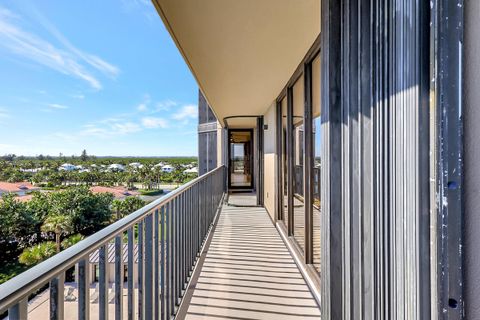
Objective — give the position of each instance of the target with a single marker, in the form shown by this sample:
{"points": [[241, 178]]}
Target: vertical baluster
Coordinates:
{"points": [[83, 289], [162, 263], [19, 311], [187, 233], [205, 204], [194, 225], [167, 260], [200, 212], [173, 257], [182, 228], [208, 203], [190, 227], [185, 237], [131, 263], [119, 277], [177, 249], [156, 268], [148, 270], [103, 282], [141, 281], [57, 297], [202, 207]]}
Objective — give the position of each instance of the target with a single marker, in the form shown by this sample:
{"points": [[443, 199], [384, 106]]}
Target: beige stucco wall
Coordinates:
{"points": [[269, 161]]}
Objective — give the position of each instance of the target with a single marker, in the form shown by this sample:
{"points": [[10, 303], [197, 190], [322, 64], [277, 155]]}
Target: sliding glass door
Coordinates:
{"points": [[300, 160]]}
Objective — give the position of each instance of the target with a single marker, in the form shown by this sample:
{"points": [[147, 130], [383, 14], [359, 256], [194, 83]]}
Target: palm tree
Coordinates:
{"points": [[70, 241], [59, 224], [37, 253]]}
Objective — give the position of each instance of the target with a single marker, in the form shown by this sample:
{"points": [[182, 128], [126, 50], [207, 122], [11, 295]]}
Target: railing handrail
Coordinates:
{"points": [[32, 279]]}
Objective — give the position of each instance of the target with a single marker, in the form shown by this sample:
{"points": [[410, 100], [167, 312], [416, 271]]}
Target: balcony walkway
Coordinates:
{"points": [[248, 273]]}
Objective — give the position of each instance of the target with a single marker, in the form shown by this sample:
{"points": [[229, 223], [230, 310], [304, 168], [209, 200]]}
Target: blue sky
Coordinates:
{"points": [[103, 76]]}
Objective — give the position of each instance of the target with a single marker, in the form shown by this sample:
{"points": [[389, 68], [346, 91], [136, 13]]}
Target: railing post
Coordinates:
{"points": [[131, 264], [148, 294], [19, 311], [168, 269], [156, 268], [141, 281], [84, 289], [57, 297], [103, 283], [118, 277], [162, 263]]}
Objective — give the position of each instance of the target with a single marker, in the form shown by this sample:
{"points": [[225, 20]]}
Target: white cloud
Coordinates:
{"points": [[152, 122], [128, 127], [109, 128], [165, 105], [57, 106], [4, 113], [78, 96], [186, 112], [69, 60], [142, 107]]}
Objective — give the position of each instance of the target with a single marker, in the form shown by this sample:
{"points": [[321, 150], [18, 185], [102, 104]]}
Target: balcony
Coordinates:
{"points": [[188, 255]]}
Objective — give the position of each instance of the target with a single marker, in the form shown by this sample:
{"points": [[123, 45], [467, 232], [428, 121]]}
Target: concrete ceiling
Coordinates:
{"points": [[242, 53]]}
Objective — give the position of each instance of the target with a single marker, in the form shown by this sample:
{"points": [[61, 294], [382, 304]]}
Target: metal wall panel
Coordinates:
{"points": [[376, 199]]}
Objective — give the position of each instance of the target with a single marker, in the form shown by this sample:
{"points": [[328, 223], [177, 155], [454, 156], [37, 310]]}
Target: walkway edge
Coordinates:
{"points": [[311, 282], [187, 297]]}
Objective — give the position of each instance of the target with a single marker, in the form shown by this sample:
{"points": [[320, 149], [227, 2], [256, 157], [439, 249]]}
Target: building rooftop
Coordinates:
{"points": [[118, 192], [16, 186]]}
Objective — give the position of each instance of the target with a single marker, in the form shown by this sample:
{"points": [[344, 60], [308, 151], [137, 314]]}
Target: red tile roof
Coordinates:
{"points": [[118, 192], [16, 186]]}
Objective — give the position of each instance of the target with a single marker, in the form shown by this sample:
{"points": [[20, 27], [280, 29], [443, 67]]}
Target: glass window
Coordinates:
{"points": [[298, 149], [317, 163], [284, 203]]}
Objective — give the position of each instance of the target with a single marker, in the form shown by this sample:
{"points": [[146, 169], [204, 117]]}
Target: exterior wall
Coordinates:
{"points": [[375, 163], [269, 178], [208, 136], [472, 158]]}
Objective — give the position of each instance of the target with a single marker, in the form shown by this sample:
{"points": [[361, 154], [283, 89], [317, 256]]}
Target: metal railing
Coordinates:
{"points": [[168, 233]]}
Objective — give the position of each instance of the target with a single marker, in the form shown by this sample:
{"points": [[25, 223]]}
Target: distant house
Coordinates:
{"points": [[34, 170], [67, 167], [118, 192], [116, 167], [136, 165], [167, 168], [191, 170], [18, 188], [160, 164]]}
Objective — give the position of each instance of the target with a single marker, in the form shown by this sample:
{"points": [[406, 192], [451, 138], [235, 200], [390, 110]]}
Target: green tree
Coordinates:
{"points": [[84, 156], [122, 208], [89, 212], [60, 224], [37, 253], [17, 223], [70, 241]]}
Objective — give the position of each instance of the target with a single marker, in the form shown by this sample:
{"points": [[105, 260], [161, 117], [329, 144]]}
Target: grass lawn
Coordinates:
{"points": [[151, 192]]}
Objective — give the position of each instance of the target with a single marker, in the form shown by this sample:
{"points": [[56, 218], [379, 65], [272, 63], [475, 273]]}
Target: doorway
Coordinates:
{"points": [[240, 159]]}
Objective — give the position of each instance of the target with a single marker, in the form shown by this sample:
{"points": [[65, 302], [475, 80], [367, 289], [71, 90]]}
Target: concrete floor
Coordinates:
{"points": [[248, 273]]}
